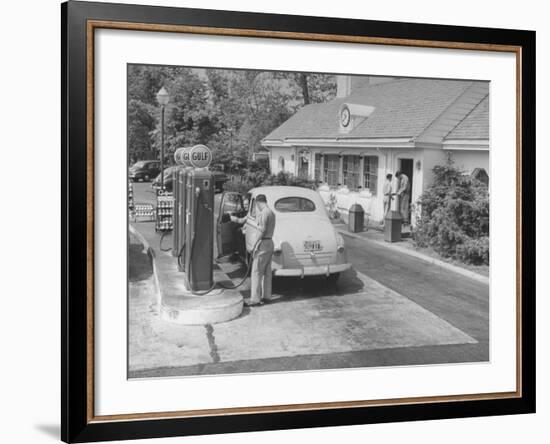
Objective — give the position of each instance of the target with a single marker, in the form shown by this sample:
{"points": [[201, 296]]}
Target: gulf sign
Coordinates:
{"points": [[181, 156], [200, 156]]}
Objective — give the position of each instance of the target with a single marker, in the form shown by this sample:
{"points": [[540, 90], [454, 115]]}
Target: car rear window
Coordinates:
{"points": [[294, 204]]}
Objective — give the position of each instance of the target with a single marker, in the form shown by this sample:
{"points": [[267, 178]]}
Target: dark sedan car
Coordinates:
{"points": [[144, 170], [168, 179]]}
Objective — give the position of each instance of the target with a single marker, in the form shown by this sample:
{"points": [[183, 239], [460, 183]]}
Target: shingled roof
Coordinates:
{"points": [[402, 108], [475, 126]]}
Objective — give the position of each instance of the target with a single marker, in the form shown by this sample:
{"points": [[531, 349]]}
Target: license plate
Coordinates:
{"points": [[313, 245]]}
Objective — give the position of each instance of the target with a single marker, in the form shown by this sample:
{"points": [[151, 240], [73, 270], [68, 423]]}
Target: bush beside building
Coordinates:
{"points": [[454, 216]]}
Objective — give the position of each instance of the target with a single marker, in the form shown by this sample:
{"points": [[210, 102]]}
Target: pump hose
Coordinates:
{"points": [[205, 292], [232, 287], [248, 268], [180, 255]]}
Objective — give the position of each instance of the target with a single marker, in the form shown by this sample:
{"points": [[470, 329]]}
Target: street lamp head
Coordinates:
{"points": [[163, 97]]}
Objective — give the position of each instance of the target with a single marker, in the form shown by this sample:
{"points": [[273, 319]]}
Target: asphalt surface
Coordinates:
{"points": [[458, 300]]}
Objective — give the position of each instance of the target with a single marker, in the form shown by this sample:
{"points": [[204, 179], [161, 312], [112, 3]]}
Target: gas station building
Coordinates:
{"points": [[378, 125]]}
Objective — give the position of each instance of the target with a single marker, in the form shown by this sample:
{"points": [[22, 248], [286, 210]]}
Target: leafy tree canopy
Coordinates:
{"points": [[230, 111]]}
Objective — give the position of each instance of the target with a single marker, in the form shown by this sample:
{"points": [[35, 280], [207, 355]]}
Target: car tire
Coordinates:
{"points": [[332, 279]]}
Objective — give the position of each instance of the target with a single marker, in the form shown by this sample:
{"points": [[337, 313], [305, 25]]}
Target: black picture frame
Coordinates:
{"points": [[77, 424]]}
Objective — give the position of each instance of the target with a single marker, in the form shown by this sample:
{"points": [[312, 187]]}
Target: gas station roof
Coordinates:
{"points": [[403, 108]]}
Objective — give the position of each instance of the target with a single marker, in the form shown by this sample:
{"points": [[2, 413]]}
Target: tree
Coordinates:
{"points": [[313, 88], [231, 111], [143, 85], [301, 79], [248, 105], [140, 123]]}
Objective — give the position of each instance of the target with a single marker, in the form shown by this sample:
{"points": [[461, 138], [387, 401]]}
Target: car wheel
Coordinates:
{"points": [[333, 278]]}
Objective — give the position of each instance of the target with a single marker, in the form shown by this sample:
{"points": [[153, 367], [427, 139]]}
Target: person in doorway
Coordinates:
{"points": [[387, 192], [261, 256], [404, 195]]}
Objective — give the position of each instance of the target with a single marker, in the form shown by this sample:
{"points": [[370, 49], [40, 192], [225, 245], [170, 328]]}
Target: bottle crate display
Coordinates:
{"points": [[165, 212]]}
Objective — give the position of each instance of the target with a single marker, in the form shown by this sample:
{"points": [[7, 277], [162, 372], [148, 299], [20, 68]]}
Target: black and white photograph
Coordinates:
{"points": [[275, 222], [303, 221]]}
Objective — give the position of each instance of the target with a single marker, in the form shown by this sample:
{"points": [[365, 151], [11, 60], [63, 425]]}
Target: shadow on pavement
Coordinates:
{"points": [[284, 288], [140, 266], [244, 313], [287, 289]]}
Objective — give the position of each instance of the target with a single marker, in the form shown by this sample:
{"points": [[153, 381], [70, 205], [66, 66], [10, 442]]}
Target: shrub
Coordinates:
{"points": [[239, 187], [454, 217], [475, 251], [283, 178], [256, 178]]}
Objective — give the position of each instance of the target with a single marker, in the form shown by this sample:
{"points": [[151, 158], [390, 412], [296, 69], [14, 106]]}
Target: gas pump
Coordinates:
{"points": [[193, 242], [194, 217], [199, 231]]}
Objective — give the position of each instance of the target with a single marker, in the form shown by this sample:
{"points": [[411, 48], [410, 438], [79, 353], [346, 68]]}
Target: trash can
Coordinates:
{"points": [[392, 226], [356, 218]]}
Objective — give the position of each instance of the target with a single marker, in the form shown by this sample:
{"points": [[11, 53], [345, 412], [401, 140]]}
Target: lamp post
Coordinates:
{"points": [[162, 99]]}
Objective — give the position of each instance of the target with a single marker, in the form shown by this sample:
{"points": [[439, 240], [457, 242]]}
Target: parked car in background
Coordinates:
{"points": [[306, 242], [168, 179], [144, 170]]}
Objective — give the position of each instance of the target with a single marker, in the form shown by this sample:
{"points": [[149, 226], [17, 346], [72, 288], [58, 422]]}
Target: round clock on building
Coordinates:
{"points": [[345, 116]]}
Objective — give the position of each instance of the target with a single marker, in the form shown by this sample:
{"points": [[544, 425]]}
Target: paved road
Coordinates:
{"points": [[458, 300], [461, 301]]}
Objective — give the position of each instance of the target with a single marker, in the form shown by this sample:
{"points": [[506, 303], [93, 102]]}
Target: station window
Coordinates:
{"points": [[370, 173], [352, 166], [332, 169]]}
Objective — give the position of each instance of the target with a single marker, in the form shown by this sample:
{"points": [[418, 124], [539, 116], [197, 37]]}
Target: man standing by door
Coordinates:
{"points": [[404, 195], [261, 256]]}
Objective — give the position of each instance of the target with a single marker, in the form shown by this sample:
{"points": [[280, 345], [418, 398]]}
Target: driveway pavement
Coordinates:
{"points": [[390, 309]]}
